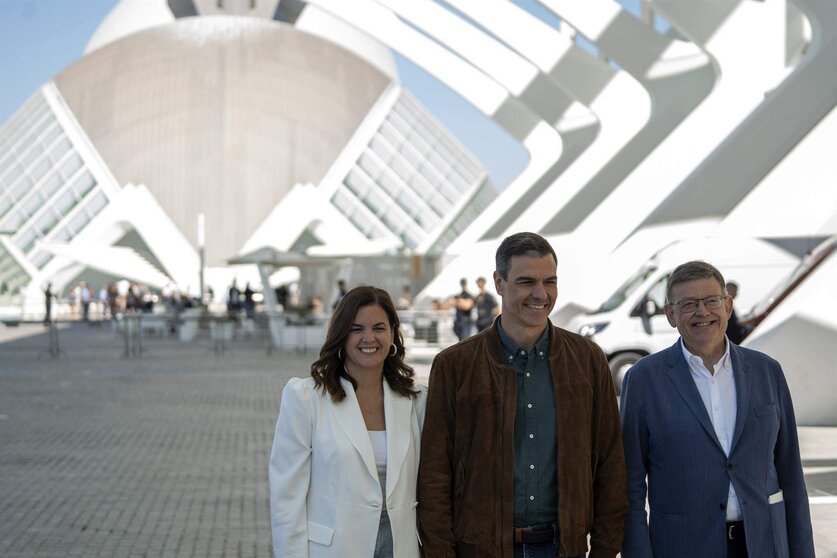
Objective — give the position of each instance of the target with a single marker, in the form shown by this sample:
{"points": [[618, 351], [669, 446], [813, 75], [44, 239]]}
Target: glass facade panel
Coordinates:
{"points": [[377, 201], [30, 156], [65, 202], [408, 176], [96, 204], [23, 185], [41, 258], [32, 204], [52, 184], [71, 165], [84, 184], [63, 235], [59, 149], [46, 222], [14, 172], [39, 169], [53, 134], [79, 221], [27, 240], [5, 205], [14, 221]]}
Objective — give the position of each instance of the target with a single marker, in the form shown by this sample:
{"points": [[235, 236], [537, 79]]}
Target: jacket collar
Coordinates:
{"points": [[743, 387], [397, 413]]}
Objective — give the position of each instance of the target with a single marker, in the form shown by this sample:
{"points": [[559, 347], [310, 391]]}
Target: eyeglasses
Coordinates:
{"points": [[691, 304]]}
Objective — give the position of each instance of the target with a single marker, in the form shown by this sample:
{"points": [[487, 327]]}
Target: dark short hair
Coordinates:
{"points": [[329, 368], [691, 271], [521, 244]]}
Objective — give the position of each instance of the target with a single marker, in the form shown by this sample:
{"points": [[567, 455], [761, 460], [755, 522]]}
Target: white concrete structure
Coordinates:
{"points": [[222, 116], [801, 333]]}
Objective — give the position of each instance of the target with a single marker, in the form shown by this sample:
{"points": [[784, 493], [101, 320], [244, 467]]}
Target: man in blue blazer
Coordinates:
{"points": [[710, 438]]}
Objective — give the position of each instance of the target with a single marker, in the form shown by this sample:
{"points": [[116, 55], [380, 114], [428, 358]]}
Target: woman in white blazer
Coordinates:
{"points": [[346, 451]]}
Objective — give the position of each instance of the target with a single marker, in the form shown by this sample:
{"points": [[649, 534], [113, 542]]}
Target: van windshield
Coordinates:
{"points": [[623, 292]]}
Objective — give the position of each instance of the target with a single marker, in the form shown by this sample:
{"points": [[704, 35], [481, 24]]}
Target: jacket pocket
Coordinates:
{"points": [[320, 533], [778, 518]]}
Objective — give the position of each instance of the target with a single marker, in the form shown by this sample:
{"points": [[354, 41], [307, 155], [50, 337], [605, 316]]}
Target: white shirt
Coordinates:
{"points": [[717, 390], [379, 446]]}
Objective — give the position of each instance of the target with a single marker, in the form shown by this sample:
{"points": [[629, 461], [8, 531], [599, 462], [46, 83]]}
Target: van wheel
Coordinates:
{"points": [[619, 366]]}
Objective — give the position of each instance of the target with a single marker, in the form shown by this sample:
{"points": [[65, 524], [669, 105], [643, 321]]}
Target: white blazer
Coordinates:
{"points": [[325, 497]]}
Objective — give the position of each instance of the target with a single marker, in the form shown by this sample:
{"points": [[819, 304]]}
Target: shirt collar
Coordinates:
{"points": [[511, 349], [724, 362]]}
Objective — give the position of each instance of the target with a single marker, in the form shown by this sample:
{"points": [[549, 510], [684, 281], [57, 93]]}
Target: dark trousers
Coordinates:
{"points": [[736, 540]]}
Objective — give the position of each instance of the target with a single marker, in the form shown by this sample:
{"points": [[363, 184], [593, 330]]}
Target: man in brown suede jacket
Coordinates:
{"points": [[521, 449]]}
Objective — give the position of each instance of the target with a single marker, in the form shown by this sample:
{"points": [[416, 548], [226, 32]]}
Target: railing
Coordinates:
{"points": [[148, 334]]}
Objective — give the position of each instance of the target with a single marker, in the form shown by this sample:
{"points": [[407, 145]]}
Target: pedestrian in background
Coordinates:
{"points": [[486, 305], [734, 332]]}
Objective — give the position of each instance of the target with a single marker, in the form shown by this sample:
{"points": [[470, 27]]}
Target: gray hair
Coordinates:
{"points": [[691, 271]]}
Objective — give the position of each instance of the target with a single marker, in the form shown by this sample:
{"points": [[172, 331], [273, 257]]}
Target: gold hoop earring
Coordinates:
{"points": [[394, 350]]}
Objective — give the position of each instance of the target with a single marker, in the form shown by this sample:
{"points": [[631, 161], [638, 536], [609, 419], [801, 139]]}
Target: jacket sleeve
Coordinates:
{"points": [[290, 471], [635, 440], [609, 496], [435, 479], [789, 471]]}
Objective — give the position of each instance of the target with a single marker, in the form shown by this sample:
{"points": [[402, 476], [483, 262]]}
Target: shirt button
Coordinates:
{"points": [[531, 497], [541, 353], [531, 435], [527, 374], [522, 352], [529, 405], [531, 466]]}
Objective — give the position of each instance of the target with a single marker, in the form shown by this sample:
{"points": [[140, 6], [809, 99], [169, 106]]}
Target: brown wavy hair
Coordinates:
{"points": [[329, 368]]}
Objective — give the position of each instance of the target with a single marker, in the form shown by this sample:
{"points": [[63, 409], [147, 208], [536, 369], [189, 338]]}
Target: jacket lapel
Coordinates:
{"points": [[350, 420], [743, 382], [681, 377], [398, 414]]}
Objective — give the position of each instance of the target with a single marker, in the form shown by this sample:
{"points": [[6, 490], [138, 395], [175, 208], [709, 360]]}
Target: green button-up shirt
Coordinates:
{"points": [[535, 443]]}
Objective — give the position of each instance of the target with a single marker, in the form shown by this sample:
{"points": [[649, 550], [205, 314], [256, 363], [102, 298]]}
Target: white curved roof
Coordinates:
{"points": [[132, 16]]}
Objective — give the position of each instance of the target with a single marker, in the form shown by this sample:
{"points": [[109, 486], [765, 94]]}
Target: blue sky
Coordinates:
{"points": [[40, 38]]}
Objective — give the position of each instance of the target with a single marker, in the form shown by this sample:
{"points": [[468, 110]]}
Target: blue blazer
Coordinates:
{"points": [[675, 459]]}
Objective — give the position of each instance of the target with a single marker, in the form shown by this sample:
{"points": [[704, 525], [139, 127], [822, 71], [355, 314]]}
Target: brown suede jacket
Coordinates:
{"points": [[466, 474]]}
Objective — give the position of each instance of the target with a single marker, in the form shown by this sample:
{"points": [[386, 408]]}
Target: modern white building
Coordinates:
{"points": [[284, 127], [284, 124]]}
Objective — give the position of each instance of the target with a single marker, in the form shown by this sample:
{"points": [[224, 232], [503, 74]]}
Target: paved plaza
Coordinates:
{"points": [[166, 454]]}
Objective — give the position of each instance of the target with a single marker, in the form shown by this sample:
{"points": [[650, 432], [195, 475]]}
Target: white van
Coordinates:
{"points": [[632, 323]]}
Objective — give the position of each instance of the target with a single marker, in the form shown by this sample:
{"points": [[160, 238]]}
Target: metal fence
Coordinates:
{"points": [[134, 336]]}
